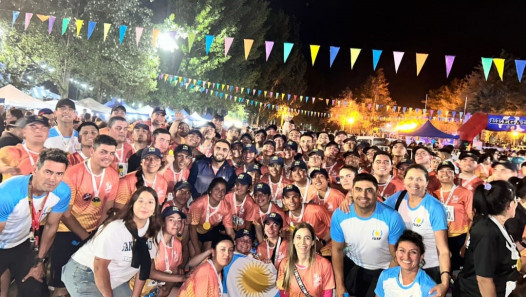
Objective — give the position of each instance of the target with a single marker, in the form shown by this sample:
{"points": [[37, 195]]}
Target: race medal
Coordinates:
{"points": [[96, 201], [237, 220], [206, 225], [180, 237], [292, 227]]}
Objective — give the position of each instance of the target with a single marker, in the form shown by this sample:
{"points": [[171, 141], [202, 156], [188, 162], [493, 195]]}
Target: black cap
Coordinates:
{"points": [[475, 155], [244, 179], [340, 132], [44, 111], [32, 119], [170, 210], [251, 148], [269, 141], [276, 160], [292, 188], [447, 164], [263, 188], [183, 148], [423, 148], [352, 138], [348, 153], [237, 142], [397, 142], [300, 164], [292, 145], [332, 143], [117, 107], [182, 185], [319, 170], [245, 232], [65, 102], [159, 109], [254, 167], [317, 152], [365, 150], [141, 126], [506, 164], [151, 151], [274, 217]]}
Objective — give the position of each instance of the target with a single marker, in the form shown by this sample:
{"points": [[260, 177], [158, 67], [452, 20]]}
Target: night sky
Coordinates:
{"points": [[467, 29]]}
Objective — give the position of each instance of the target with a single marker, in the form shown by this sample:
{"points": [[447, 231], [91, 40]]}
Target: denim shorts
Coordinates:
{"points": [[80, 282]]}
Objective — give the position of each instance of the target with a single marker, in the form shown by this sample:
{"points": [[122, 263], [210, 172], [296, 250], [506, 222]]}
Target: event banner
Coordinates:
{"points": [[506, 123]]}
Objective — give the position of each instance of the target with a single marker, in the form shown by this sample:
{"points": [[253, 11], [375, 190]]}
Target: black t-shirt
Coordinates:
{"points": [[488, 256], [515, 226]]}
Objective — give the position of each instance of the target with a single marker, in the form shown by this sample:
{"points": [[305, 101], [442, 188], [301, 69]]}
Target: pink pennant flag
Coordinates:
{"points": [[28, 19], [228, 44], [268, 48], [449, 64], [138, 34]]}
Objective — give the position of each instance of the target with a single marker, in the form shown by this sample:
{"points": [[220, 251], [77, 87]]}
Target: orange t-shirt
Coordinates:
{"points": [[262, 215], [331, 201], [317, 278], [307, 193], [202, 282], [470, 183], [127, 188], [83, 208], [221, 213], [122, 155], [75, 158], [17, 156], [276, 189], [242, 213], [317, 216], [173, 256], [264, 252], [385, 191], [462, 203], [333, 171], [172, 178]]}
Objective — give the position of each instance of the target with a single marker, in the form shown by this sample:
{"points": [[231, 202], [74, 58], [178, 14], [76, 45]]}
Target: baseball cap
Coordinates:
{"points": [[316, 152], [170, 210], [159, 109], [352, 138], [469, 154], [244, 179], [276, 160], [319, 170], [196, 132], [183, 148], [237, 142], [332, 143], [65, 102], [341, 132], [299, 164], [446, 164], [254, 167], [117, 107], [366, 149], [44, 111], [245, 232], [263, 188], [251, 148], [269, 141], [348, 153], [141, 126], [397, 142], [274, 217], [506, 164], [32, 119], [151, 151], [182, 185], [292, 188], [291, 144], [422, 148]]}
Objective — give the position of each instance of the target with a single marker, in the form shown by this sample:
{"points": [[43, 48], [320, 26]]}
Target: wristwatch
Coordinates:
{"points": [[39, 260]]}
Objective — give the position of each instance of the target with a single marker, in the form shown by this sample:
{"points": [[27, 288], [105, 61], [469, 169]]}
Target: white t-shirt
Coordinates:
{"points": [[56, 140], [113, 243]]}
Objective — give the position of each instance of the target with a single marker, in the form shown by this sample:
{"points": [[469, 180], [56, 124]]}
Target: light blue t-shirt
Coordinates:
{"points": [[367, 239], [14, 208], [426, 218], [56, 140], [389, 284]]}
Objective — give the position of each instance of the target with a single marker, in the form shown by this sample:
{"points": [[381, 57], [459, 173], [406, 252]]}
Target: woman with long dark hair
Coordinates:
{"points": [[120, 248], [491, 259]]}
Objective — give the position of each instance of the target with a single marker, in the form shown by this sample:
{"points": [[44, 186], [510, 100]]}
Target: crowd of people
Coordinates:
{"points": [[150, 208]]}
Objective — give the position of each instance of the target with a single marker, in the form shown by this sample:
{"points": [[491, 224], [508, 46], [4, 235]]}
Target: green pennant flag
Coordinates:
{"points": [[486, 65], [65, 23], [191, 39], [287, 48]]}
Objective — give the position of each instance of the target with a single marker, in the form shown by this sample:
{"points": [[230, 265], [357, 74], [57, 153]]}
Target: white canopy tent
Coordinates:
{"points": [[94, 105], [17, 98]]}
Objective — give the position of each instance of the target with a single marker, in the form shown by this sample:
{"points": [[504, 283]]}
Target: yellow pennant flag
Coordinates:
{"points": [[155, 35], [106, 30], [79, 26], [282, 96], [42, 17], [355, 52], [314, 52], [499, 63], [222, 87], [420, 60], [248, 45]]}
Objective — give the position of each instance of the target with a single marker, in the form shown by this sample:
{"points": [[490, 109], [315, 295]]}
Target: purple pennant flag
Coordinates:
{"points": [[172, 34], [449, 64], [268, 48], [50, 24]]}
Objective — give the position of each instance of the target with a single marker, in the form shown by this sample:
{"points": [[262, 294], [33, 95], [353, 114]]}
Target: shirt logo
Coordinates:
{"points": [[376, 234], [108, 188], [418, 221], [316, 280]]}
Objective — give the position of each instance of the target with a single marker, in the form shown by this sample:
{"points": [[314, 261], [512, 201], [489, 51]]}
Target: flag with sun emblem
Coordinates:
{"points": [[249, 277]]}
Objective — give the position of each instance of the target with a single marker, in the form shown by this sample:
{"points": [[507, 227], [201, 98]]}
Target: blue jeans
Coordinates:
{"points": [[80, 282]]}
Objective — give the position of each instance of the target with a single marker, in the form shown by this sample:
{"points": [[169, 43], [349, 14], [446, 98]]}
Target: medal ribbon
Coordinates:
{"points": [[36, 216]]}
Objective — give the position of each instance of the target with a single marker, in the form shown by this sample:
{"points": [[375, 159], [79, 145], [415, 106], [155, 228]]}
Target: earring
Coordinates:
{"points": [[422, 263]]}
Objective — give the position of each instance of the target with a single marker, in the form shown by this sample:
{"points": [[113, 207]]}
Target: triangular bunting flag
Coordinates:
{"points": [[486, 65], [376, 57], [91, 27], [449, 64], [138, 34], [268, 48], [79, 24], [314, 52], [209, 39], [355, 52], [42, 17], [519, 65], [155, 36], [28, 20], [248, 45], [287, 47], [50, 24], [191, 39], [420, 60], [15, 16], [65, 23], [499, 63], [107, 27], [228, 43], [333, 53], [122, 32], [397, 59]]}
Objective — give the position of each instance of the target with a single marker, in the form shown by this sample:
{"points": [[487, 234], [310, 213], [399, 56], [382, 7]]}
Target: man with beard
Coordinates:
{"points": [[179, 169], [93, 187], [306, 146], [118, 129], [352, 158], [160, 140], [382, 172], [324, 195], [331, 163], [205, 170], [422, 156], [63, 136], [468, 165], [140, 136], [290, 150], [87, 133]]}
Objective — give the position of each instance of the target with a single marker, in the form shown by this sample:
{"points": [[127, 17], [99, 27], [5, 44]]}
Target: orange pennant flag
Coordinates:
{"points": [[155, 35], [420, 60], [248, 45], [42, 17]]}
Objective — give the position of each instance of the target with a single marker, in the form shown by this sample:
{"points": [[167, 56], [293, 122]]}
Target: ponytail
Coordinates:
{"points": [[140, 180], [492, 199]]}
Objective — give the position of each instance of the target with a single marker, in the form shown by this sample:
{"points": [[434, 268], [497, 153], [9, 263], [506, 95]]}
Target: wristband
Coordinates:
{"points": [[445, 272], [39, 260]]}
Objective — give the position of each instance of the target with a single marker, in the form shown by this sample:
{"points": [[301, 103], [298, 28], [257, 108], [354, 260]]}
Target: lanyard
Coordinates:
{"points": [[146, 182], [448, 197], [84, 157], [329, 169], [386, 185], [180, 174], [276, 250], [273, 184], [121, 150], [467, 181], [304, 196], [219, 282], [29, 154], [36, 216], [300, 219], [510, 245], [206, 151], [485, 169], [67, 144], [166, 262], [235, 204], [322, 200], [263, 215], [208, 214], [96, 190]]}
